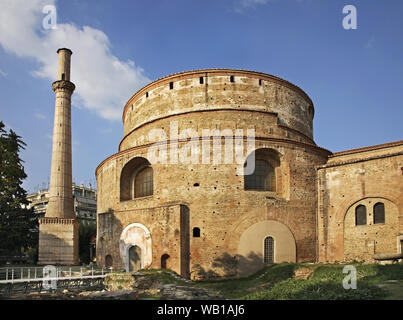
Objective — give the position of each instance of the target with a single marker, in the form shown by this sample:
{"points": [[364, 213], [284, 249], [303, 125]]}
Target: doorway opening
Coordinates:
{"points": [[164, 261], [134, 258]]}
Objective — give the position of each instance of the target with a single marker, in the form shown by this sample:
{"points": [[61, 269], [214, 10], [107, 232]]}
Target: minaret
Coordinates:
{"points": [[58, 230]]}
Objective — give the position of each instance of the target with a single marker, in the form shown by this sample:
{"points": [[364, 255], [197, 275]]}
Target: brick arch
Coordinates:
{"points": [[271, 155], [245, 222], [349, 201], [390, 195], [270, 151], [136, 234], [363, 241], [366, 197]]}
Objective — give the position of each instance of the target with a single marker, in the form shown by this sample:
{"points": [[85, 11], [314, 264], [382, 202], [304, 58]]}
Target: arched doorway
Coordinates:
{"points": [[135, 235], [108, 261], [164, 261], [134, 258]]}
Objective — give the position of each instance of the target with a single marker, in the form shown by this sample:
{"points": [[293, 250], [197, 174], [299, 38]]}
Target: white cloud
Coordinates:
{"points": [[241, 5], [252, 3], [2, 73], [103, 82], [39, 115]]}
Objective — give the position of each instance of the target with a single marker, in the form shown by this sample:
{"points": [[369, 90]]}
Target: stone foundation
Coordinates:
{"points": [[58, 241]]}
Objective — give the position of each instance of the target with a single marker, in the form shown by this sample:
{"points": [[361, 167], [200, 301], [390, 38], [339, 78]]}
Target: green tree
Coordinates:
{"points": [[18, 224]]}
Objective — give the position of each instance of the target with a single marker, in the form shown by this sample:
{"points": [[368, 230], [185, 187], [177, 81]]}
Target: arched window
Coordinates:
{"points": [[268, 256], [379, 213], [360, 215], [263, 178], [136, 179], [196, 232], [143, 183]]}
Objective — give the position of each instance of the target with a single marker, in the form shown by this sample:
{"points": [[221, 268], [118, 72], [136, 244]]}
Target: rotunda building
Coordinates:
{"points": [[215, 177]]}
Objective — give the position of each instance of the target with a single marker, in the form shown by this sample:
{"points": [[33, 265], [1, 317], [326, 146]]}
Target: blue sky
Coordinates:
{"points": [[354, 77]]}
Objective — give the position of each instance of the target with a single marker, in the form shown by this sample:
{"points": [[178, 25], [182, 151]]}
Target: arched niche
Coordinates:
{"points": [[276, 168], [252, 245], [134, 235], [128, 173]]}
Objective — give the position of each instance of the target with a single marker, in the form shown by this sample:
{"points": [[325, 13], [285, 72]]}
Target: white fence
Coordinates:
{"points": [[34, 274]]}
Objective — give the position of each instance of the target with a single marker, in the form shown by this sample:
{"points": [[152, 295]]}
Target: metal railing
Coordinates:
{"points": [[30, 274]]}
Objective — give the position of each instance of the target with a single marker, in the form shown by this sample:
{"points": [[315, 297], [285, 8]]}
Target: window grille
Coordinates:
{"points": [[268, 250], [360, 215], [379, 213], [263, 178], [144, 183]]}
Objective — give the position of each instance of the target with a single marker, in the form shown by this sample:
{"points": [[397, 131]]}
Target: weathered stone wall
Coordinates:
{"points": [[164, 224], [249, 91], [58, 241], [219, 205], [362, 176], [363, 241], [227, 122]]}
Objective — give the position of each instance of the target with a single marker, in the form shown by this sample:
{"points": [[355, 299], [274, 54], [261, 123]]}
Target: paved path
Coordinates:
{"points": [[394, 289]]}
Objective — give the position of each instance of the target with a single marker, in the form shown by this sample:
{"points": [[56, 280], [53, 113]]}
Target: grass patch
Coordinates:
{"points": [[326, 283], [298, 289], [236, 288], [163, 276], [149, 296]]}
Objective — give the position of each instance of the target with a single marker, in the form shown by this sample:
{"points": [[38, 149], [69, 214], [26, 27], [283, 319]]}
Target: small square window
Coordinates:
{"points": [[171, 85]]}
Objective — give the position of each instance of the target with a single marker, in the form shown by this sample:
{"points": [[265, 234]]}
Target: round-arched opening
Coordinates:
{"points": [[268, 250], [135, 247], [261, 170], [263, 177], [165, 261], [379, 213], [264, 243], [196, 232], [136, 179], [360, 215]]}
